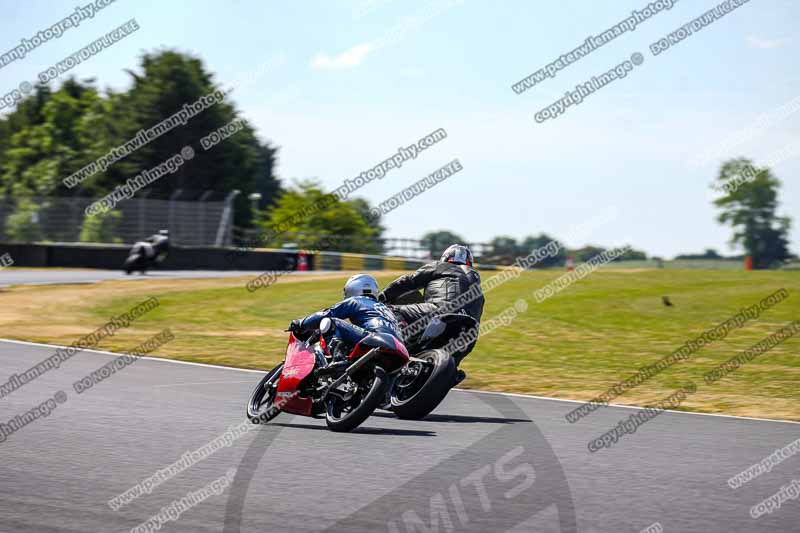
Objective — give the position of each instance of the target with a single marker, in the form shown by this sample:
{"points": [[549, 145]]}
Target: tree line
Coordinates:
{"points": [[55, 133]]}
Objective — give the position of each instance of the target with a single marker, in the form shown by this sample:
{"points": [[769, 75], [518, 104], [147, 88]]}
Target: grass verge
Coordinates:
{"points": [[574, 345]]}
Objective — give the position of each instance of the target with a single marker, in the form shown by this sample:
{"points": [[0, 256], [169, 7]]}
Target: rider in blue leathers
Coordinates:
{"points": [[361, 307]]}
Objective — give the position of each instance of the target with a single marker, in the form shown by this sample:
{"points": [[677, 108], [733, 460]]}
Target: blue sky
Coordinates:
{"points": [[339, 86]]}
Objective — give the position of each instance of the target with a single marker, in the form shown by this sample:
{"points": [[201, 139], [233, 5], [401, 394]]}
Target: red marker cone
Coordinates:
{"points": [[302, 261]]}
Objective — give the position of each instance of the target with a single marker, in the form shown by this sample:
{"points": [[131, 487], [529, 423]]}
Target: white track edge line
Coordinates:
{"points": [[621, 406], [512, 394], [165, 360]]}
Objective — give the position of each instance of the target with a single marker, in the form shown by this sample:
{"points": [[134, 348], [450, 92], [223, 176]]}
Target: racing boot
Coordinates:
{"points": [[338, 359]]}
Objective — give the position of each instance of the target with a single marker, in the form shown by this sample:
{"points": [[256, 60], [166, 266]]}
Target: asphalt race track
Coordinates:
{"points": [[482, 462], [50, 276]]}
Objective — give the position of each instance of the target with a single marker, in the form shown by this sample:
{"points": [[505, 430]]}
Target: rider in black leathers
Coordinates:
{"points": [[150, 251], [443, 281], [160, 244]]}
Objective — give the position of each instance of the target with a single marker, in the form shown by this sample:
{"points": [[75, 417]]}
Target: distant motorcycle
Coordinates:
{"points": [[431, 371], [147, 254], [308, 383]]}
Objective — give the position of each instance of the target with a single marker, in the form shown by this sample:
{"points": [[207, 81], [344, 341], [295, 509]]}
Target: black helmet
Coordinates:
{"points": [[458, 254]]}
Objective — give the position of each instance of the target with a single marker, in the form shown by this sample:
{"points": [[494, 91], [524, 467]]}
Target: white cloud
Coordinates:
{"points": [[756, 42], [350, 58]]}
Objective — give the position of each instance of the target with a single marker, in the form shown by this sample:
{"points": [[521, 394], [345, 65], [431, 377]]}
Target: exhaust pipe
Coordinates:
{"points": [[352, 369]]}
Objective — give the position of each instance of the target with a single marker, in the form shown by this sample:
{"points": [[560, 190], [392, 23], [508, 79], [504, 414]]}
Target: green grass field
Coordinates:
{"points": [[575, 345]]}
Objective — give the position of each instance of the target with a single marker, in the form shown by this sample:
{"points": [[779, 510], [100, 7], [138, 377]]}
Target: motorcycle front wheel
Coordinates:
{"points": [[130, 264], [261, 407], [345, 412]]}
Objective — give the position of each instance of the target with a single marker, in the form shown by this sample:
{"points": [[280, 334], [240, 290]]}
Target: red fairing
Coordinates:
{"points": [[386, 343], [299, 363], [401, 347], [358, 351], [396, 358]]}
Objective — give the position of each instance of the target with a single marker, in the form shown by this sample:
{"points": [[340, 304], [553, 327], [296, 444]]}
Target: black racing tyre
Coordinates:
{"points": [[343, 416], [414, 397], [130, 264], [261, 407]]}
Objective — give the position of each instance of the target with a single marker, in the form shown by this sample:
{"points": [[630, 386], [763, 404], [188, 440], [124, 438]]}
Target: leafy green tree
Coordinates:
{"points": [[43, 142], [532, 243], [23, 224], [27, 114], [311, 218], [372, 219], [54, 133], [101, 227], [584, 254], [436, 241], [751, 209], [632, 255], [264, 181], [168, 81], [587, 252], [502, 251], [710, 253], [504, 245]]}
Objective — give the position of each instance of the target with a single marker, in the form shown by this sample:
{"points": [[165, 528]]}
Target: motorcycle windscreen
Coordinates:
{"points": [[299, 363]]}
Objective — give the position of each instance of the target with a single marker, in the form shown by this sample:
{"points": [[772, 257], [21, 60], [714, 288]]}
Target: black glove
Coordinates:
{"points": [[296, 326]]}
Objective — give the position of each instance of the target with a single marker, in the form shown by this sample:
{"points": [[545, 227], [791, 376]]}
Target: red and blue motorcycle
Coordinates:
{"points": [[308, 383]]}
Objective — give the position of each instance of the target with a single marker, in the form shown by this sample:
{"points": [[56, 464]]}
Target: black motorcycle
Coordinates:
{"points": [[144, 256], [432, 369]]}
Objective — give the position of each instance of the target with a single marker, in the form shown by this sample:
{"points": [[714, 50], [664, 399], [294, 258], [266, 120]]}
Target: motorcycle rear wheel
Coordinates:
{"points": [[337, 415], [415, 398], [261, 407]]}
